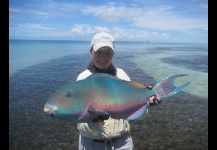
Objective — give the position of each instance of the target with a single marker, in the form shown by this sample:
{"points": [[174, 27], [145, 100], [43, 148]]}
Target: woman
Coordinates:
{"points": [[117, 130]]}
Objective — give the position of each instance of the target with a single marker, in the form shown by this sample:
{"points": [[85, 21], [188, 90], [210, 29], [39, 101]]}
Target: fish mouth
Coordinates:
{"points": [[47, 108]]}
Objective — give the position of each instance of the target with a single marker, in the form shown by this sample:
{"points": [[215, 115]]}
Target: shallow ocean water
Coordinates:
{"points": [[179, 122]]}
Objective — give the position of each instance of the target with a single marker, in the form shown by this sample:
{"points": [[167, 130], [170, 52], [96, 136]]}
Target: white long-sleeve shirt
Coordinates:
{"points": [[112, 127]]}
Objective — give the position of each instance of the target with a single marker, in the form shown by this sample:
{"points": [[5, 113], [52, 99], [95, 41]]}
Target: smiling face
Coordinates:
{"points": [[102, 58]]}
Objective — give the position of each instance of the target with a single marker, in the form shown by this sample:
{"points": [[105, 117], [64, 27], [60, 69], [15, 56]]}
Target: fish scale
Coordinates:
{"points": [[100, 94]]}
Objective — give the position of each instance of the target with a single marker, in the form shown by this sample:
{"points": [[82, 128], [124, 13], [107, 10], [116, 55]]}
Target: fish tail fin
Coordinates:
{"points": [[165, 88]]}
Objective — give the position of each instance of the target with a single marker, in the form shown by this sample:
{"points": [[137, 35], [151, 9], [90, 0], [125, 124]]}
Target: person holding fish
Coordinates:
{"points": [[117, 131], [103, 99]]}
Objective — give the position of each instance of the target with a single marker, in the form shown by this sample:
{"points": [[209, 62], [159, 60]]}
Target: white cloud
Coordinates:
{"points": [[101, 29], [112, 13], [82, 29], [126, 21], [159, 18], [33, 26]]}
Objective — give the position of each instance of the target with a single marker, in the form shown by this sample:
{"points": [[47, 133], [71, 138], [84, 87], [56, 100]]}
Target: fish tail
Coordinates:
{"points": [[165, 88]]}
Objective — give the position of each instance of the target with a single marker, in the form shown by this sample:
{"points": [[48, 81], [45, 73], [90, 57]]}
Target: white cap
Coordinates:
{"points": [[102, 39]]}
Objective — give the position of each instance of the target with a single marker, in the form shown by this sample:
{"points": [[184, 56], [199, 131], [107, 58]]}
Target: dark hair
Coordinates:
{"points": [[91, 49]]}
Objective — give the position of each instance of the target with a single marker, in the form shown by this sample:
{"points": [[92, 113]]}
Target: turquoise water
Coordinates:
{"points": [[152, 58], [25, 53], [38, 68]]}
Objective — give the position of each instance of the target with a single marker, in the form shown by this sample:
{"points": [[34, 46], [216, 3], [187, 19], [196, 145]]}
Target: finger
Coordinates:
{"points": [[151, 101], [106, 117], [158, 99], [149, 86]]}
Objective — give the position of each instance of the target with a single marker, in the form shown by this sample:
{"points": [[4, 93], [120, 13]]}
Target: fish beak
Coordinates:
{"points": [[47, 108]]}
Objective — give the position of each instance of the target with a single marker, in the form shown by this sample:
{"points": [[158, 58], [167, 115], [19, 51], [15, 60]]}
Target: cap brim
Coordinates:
{"points": [[102, 44]]}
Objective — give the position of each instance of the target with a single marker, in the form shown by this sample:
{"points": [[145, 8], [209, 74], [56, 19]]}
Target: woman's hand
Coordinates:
{"points": [[101, 118], [153, 100]]}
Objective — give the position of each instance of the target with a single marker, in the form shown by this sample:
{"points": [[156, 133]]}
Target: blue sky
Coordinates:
{"points": [[167, 21]]}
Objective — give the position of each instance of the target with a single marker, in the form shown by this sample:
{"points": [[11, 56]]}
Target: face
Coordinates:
{"points": [[102, 58]]}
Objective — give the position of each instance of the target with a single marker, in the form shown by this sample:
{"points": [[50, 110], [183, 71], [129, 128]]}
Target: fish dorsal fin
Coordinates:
{"points": [[137, 84], [105, 75]]}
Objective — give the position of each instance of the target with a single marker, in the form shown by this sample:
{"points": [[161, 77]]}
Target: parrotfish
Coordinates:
{"points": [[99, 94]]}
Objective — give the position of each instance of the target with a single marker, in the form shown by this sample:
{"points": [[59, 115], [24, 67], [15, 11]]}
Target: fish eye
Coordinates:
{"points": [[68, 93]]}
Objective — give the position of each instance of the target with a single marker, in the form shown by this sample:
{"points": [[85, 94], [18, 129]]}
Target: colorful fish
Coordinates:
{"points": [[99, 94]]}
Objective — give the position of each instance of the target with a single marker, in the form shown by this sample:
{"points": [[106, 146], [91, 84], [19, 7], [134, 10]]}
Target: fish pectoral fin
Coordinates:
{"points": [[97, 112], [103, 75], [136, 84], [137, 114]]}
